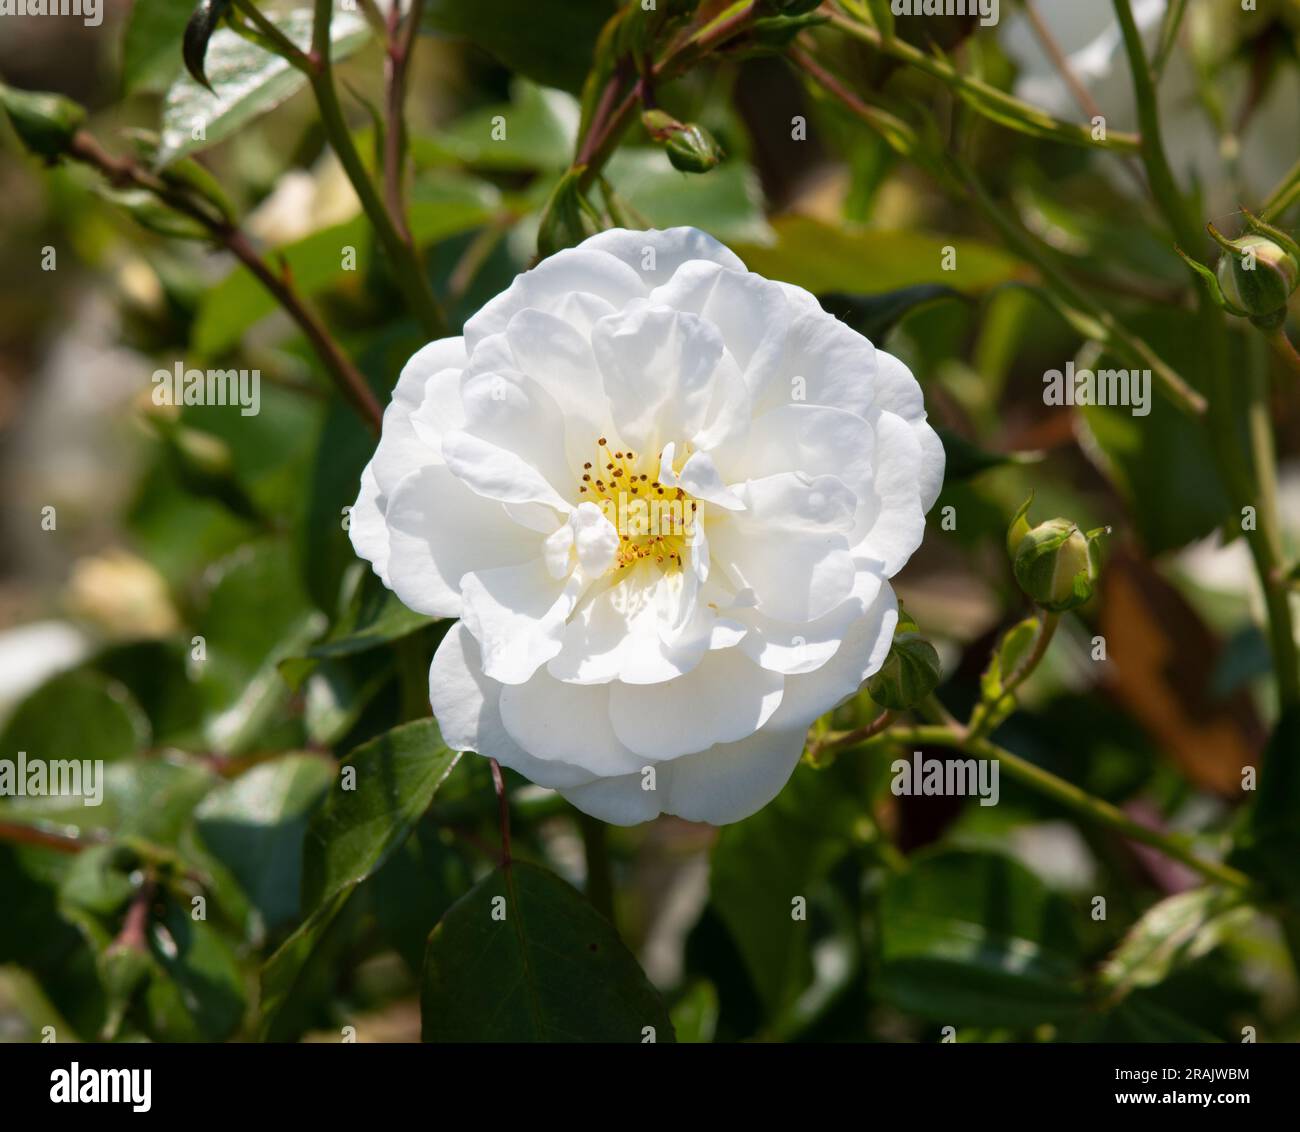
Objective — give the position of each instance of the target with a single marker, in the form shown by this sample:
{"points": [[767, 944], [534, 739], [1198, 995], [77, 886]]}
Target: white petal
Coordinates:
{"points": [[615, 634], [656, 255], [467, 706], [793, 648], [497, 473], [401, 448], [733, 780], [517, 615], [898, 392], [658, 367], [813, 439], [513, 412], [547, 286], [891, 524], [595, 539], [559, 358], [567, 723], [367, 527], [700, 478], [861, 653], [619, 801], [750, 312], [723, 784], [726, 697], [825, 363], [438, 531], [789, 546]]}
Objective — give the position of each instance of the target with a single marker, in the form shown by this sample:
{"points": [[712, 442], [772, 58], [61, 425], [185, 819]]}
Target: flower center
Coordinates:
{"points": [[654, 521]]}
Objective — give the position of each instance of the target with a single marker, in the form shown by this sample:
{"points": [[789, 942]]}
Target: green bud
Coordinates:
{"points": [[693, 150], [910, 673], [1056, 564], [45, 123], [1019, 527], [1258, 276], [690, 147]]}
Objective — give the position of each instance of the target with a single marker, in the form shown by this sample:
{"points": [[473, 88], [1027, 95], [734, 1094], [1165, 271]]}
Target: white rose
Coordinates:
{"points": [[673, 669]]}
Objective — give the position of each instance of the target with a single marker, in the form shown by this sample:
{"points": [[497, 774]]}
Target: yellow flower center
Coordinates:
{"points": [[654, 522]]}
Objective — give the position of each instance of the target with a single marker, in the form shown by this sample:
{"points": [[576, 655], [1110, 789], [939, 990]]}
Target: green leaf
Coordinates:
{"points": [[969, 937], [874, 316], [79, 715], [198, 31], [246, 82], [965, 459], [523, 957], [196, 992], [1162, 463], [370, 811], [551, 41], [256, 615], [726, 203], [823, 258], [255, 827], [1269, 846], [416, 886], [1174, 931], [150, 59], [760, 865], [382, 789], [536, 129], [1014, 646], [239, 301], [374, 616]]}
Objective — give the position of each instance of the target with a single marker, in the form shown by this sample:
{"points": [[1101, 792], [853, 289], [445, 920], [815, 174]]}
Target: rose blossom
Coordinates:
{"points": [[664, 496]]}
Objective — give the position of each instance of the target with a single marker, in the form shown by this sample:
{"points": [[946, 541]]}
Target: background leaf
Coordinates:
{"points": [[551, 969]]}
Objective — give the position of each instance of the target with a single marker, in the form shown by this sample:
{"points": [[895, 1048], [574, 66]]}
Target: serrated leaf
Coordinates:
{"points": [[524, 957]]}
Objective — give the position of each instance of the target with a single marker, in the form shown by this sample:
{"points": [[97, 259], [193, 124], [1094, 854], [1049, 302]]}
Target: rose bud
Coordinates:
{"points": [[1056, 565], [910, 673]]}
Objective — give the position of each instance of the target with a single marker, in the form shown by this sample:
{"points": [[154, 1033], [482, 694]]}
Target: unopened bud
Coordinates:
{"points": [[1019, 527], [1056, 564], [1258, 276], [910, 673], [45, 123], [690, 147]]}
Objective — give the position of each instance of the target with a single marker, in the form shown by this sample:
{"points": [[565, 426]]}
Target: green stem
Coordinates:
{"points": [[1102, 326], [980, 96], [1066, 794], [987, 714], [1250, 481], [600, 882], [1266, 547], [403, 261]]}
